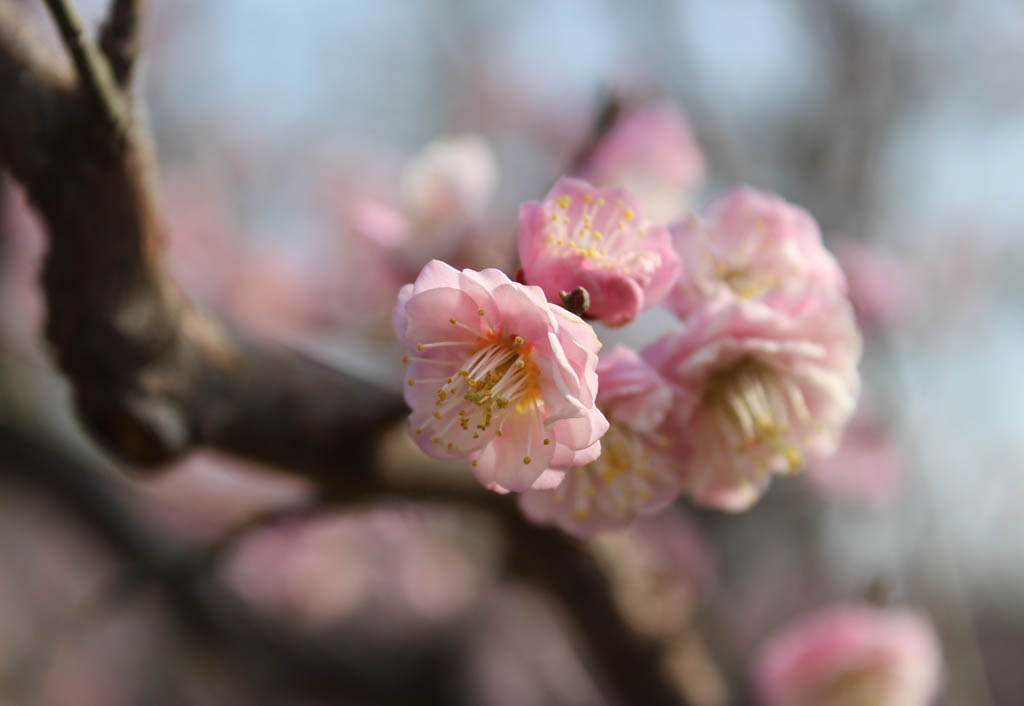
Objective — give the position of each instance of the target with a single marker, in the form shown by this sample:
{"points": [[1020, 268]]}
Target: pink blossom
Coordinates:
{"points": [[450, 181], [598, 239], [438, 199], [761, 388], [852, 655], [499, 376], [205, 243], [634, 474], [23, 245], [749, 244], [652, 152], [882, 287], [866, 469]]}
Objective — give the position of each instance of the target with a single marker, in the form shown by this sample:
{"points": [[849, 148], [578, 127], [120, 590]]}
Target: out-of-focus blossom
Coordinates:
{"points": [[851, 656], [281, 291], [652, 152], [208, 493], [750, 244], [883, 288], [598, 239], [866, 469], [443, 194], [658, 568], [634, 473], [205, 244], [401, 564], [761, 387], [22, 247], [498, 375]]}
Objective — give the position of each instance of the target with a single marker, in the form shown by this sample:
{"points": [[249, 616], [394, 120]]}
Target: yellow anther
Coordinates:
{"points": [[474, 462], [519, 341], [480, 312], [618, 202], [554, 216], [572, 243], [476, 435], [559, 242], [520, 363], [436, 440], [563, 201], [452, 320], [437, 415], [526, 460], [411, 382], [600, 202], [604, 253], [419, 346], [498, 432], [450, 444], [588, 198], [597, 235], [628, 214], [547, 442], [565, 220], [419, 430], [405, 359]]}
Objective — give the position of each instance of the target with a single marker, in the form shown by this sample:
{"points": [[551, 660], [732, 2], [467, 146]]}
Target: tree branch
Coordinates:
{"points": [[151, 376], [93, 71], [120, 37]]}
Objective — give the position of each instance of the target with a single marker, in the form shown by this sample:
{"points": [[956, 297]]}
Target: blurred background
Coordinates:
{"points": [[291, 138]]}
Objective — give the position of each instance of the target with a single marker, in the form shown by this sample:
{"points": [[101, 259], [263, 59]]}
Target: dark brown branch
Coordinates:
{"points": [[151, 376], [120, 37], [608, 113], [93, 71]]}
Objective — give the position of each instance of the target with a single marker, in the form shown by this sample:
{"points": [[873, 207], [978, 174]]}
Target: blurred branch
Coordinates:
{"points": [[608, 112], [119, 37], [351, 668], [92, 70], [151, 376]]}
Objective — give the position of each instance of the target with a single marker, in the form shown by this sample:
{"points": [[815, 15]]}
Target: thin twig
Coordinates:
{"points": [[92, 67]]}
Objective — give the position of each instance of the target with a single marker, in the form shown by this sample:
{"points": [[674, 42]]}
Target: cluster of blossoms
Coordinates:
{"points": [[759, 377]]}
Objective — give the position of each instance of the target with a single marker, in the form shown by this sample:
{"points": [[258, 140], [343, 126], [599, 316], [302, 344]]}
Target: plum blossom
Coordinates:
{"points": [[498, 375], [883, 288], [652, 152], [441, 197], [852, 655], [867, 469], [749, 244], [635, 473], [761, 387], [598, 239]]}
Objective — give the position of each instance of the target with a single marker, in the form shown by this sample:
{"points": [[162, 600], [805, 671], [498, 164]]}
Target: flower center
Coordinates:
{"points": [[499, 378], [744, 281], [619, 480], [597, 229], [754, 408]]}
